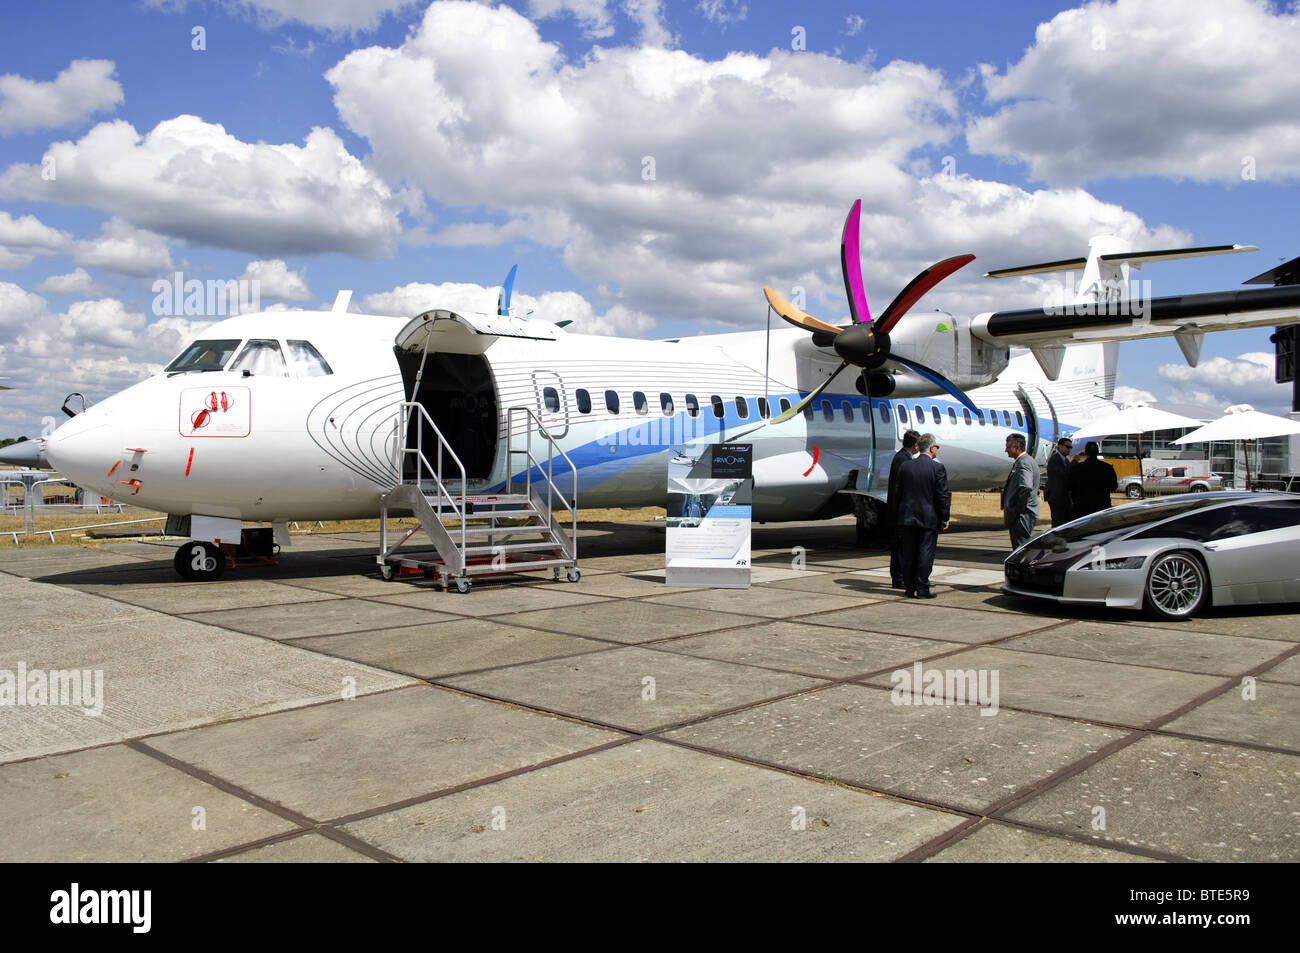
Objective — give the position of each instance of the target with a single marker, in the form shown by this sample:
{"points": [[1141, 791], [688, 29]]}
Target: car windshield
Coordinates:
{"points": [[1121, 519], [210, 355]]}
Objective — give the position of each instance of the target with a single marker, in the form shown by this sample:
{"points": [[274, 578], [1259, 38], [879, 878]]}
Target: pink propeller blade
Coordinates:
{"points": [[851, 266], [917, 287]]}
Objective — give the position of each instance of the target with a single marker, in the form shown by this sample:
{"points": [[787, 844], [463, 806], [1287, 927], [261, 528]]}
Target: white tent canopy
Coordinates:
{"points": [[1134, 417], [1242, 422]]}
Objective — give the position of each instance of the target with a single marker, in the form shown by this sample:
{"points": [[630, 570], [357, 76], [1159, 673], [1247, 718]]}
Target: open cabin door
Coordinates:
{"points": [[442, 357], [1041, 423]]}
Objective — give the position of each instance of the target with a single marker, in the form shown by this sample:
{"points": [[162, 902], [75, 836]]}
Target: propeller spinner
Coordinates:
{"points": [[865, 343]]}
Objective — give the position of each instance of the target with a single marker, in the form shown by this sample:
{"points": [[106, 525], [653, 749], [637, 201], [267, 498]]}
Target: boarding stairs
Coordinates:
{"points": [[530, 525]]}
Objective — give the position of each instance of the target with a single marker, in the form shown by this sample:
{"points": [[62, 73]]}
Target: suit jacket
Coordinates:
{"points": [[1020, 494], [891, 498], [923, 491], [1058, 483], [1091, 481]]}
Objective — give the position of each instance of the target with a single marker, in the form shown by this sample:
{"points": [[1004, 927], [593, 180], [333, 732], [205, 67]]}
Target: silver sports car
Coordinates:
{"points": [[1171, 557]]}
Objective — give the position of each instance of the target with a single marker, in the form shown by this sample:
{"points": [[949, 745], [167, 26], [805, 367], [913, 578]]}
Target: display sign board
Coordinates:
{"points": [[710, 502]]}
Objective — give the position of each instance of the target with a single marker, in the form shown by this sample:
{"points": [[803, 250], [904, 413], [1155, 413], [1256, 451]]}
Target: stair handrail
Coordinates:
{"points": [[436, 473], [552, 449]]}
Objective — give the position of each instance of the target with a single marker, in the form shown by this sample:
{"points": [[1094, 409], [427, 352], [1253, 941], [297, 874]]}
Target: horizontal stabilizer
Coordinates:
{"points": [[1134, 258]]}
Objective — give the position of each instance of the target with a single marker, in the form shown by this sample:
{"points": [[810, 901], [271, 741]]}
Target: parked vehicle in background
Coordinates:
{"points": [[1161, 477]]}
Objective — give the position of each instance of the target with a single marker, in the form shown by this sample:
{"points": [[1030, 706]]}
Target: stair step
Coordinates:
{"points": [[477, 531], [508, 548]]}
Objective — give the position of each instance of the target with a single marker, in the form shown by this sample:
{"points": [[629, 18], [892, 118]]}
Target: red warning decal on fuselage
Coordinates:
{"points": [[216, 412]]}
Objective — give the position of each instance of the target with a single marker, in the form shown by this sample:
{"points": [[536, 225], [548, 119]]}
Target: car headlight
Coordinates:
{"points": [[1127, 562]]}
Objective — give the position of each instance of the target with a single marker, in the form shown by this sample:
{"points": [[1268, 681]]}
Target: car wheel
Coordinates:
{"points": [[1133, 491], [1177, 586], [1197, 488]]}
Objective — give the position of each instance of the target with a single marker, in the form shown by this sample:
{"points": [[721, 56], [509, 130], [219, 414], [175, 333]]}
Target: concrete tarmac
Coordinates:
{"points": [[315, 712]]}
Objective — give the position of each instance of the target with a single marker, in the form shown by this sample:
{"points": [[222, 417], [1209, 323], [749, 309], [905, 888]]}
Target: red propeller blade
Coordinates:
{"points": [[916, 289]]}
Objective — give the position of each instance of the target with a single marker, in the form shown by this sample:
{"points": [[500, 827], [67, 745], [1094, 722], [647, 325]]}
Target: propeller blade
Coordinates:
{"points": [[507, 286], [797, 408], [917, 287], [934, 377], [851, 267], [796, 317]]}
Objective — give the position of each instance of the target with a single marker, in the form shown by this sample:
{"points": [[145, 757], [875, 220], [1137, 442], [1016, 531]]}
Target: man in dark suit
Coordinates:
{"points": [[922, 514], [1092, 481], [907, 452], [1020, 494], [1058, 482]]}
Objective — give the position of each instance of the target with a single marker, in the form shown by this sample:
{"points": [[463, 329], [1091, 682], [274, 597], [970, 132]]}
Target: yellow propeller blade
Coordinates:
{"points": [[796, 317]]}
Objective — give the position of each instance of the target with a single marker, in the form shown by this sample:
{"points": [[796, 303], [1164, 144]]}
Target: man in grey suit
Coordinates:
{"points": [[922, 514], [1020, 494], [1058, 482]]}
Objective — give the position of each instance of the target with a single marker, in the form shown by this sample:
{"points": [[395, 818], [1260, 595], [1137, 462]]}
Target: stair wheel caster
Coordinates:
{"points": [[462, 585], [386, 570], [574, 574]]}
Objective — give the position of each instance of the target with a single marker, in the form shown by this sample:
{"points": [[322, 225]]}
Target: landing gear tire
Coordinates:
{"points": [[462, 585], [199, 561], [1133, 491], [386, 571], [871, 523], [1177, 587], [574, 575]]}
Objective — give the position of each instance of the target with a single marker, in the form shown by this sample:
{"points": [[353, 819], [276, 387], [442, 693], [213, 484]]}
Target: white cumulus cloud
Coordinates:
{"points": [[1222, 381], [1200, 89], [78, 92], [275, 280], [191, 180]]}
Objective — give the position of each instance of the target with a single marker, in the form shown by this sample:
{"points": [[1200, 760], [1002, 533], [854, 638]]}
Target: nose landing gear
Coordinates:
{"points": [[198, 561]]}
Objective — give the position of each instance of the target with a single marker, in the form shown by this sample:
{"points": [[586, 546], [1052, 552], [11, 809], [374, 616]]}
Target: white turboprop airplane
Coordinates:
{"points": [[285, 416]]}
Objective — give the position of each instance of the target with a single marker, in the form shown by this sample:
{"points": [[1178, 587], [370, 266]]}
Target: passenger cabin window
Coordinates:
{"points": [[808, 411], [666, 404], [1006, 417], [742, 408], [952, 416], [692, 405], [551, 400], [785, 404], [261, 359], [611, 401], [828, 412], [719, 409], [209, 355], [584, 401], [639, 402], [934, 414], [920, 415], [306, 361], [848, 410], [902, 413], [884, 413], [965, 412], [1020, 421], [980, 416], [764, 410]]}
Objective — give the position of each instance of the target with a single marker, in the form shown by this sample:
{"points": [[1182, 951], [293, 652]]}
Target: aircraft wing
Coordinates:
{"points": [[1191, 314]]}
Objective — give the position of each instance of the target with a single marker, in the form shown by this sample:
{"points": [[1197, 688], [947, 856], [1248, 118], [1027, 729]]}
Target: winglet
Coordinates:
{"points": [[507, 286]]}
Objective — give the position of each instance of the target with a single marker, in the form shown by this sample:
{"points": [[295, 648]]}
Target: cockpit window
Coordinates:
{"points": [[306, 360], [261, 359], [209, 355]]}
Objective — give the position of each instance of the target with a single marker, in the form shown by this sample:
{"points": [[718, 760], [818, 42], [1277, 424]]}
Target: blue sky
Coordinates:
{"points": [[412, 152]]}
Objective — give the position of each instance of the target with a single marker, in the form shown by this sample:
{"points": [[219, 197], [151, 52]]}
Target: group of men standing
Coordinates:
{"points": [[919, 500], [918, 504], [1079, 488]]}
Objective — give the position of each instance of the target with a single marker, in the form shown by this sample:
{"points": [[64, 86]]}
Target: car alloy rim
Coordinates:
{"points": [[1176, 584]]}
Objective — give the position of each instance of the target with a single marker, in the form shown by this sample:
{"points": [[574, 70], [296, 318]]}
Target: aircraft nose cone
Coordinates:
{"points": [[84, 449]]}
